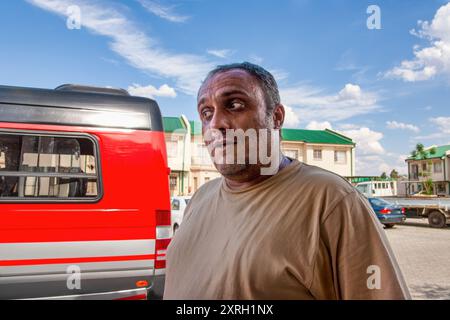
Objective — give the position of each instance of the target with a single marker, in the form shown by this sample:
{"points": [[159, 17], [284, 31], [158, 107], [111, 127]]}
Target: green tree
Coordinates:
{"points": [[383, 176], [394, 174], [420, 153]]}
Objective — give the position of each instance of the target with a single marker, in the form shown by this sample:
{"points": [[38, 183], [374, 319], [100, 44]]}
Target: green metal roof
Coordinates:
{"points": [[315, 136], [196, 128], [440, 153], [310, 136], [172, 124], [357, 179]]}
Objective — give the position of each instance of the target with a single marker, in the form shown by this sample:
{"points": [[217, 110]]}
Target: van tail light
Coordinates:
{"points": [[385, 211], [163, 229], [163, 218]]}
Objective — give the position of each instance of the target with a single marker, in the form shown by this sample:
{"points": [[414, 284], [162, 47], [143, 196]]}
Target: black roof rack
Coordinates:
{"points": [[79, 105]]}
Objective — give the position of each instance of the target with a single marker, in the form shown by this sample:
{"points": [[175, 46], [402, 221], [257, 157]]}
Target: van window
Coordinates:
{"points": [[47, 167], [2, 160], [362, 188], [175, 204]]}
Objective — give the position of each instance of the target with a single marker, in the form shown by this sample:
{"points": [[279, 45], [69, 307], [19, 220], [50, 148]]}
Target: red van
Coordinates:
{"points": [[84, 194]]}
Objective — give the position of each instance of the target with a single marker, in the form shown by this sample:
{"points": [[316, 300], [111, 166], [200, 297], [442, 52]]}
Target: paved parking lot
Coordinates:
{"points": [[423, 254]]}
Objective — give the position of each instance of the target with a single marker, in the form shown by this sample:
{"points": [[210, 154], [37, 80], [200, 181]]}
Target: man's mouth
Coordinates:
{"points": [[223, 144]]}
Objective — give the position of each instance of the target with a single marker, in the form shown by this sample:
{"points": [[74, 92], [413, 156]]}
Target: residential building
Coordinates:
{"points": [[191, 165], [435, 166], [178, 144], [323, 148]]}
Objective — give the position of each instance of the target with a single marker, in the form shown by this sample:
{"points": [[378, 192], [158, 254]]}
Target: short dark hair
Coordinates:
{"points": [[264, 77]]}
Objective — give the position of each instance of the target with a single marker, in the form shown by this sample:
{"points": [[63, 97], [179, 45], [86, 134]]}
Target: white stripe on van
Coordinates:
{"points": [[8, 271], [75, 249]]}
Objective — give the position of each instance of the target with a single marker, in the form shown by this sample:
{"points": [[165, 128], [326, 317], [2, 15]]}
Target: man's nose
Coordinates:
{"points": [[220, 121]]}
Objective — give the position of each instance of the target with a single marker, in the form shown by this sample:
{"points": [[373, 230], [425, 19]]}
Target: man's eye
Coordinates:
{"points": [[236, 105], [206, 114]]}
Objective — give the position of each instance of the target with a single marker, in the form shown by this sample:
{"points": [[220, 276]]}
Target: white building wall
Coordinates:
{"points": [[175, 159], [328, 162]]}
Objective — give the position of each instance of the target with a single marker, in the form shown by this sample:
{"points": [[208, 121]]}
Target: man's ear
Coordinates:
{"points": [[278, 116]]}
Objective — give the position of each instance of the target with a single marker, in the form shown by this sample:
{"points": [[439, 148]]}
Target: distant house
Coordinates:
{"points": [[435, 166], [191, 165]]}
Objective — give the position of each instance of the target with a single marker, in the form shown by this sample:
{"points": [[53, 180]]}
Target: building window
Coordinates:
{"points": [[195, 184], [48, 167], [173, 182], [415, 171], [437, 167], [317, 154], [424, 166], [293, 154], [172, 149], [340, 156]]}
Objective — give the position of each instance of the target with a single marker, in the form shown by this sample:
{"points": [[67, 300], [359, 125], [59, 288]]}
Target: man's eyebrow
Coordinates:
{"points": [[231, 92], [225, 93], [201, 101]]}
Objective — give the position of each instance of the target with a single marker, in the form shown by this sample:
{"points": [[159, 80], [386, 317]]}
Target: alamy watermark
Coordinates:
{"points": [[74, 277], [239, 147], [374, 279], [73, 17], [374, 20]]}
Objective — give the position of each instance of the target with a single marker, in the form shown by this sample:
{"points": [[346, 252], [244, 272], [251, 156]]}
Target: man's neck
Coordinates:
{"points": [[239, 185]]}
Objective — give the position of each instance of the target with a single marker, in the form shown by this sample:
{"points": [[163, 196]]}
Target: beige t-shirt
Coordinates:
{"points": [[304, 233]]}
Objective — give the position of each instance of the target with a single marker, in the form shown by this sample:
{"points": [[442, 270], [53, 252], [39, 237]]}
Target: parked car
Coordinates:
{"points": [[387, 213], [84, 194], [179, 204]]}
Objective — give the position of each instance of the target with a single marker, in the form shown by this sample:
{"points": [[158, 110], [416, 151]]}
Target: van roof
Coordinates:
{"points": [[77, 105]]}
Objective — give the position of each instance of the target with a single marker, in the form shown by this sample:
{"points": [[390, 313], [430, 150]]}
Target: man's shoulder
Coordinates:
{"points": [[203, 195], [207, 190], [321, 179]]}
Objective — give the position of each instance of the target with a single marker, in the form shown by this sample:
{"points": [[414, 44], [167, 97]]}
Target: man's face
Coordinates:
{"points": [[231, 100]]}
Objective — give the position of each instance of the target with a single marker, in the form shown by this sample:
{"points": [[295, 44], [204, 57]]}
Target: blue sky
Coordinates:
{"points": [[386, 88]]}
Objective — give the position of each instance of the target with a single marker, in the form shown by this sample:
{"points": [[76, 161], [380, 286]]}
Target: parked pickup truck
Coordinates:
{"points": [[437, 210]]}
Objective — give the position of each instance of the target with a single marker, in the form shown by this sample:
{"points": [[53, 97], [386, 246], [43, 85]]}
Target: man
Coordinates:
{"points": [[300, 233]]}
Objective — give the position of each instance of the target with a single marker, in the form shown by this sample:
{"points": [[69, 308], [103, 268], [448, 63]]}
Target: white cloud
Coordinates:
{"points": [[443, 123], [290, 118], [279, 74], [432, 60], [440, 123], [348, 126], [401, 125], [222, 53], [367, 140], [255, 59], [152, 92], [370, 155], [138, 49], [164, 12], [311, 104], [315, 125]]}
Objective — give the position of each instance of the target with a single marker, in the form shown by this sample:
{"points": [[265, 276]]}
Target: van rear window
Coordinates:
{"points": [[36, 167]]}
